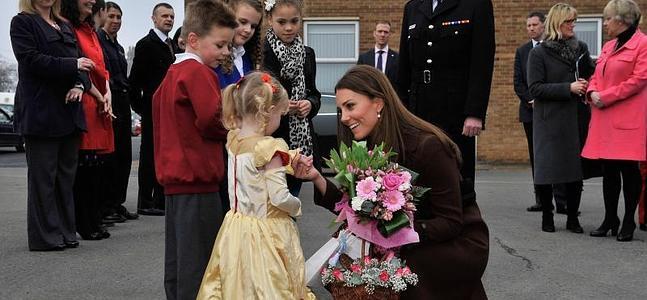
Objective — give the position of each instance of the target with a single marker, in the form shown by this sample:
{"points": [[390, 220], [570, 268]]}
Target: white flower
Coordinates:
{"points": [[356, 203], [405, 186], [269, 4]]}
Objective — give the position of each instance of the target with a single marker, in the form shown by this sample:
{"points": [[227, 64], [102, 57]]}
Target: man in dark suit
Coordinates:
{"points": [[445, 70], [154, 54], [382, 57], [535, 29]]}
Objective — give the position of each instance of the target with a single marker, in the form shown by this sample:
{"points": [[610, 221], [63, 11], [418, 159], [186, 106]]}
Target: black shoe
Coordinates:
{"points": [[150, 212], [94, 236], [606, 227], [104, 234], [105, 225], [55, 248], [71, 244], [625, 237], [129, 215], [535, 207], [574, 226], [643, 227], [547, 224], [116, 218]]}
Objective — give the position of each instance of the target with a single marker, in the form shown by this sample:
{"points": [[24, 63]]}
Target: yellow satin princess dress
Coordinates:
{"points": [[257, 254]]}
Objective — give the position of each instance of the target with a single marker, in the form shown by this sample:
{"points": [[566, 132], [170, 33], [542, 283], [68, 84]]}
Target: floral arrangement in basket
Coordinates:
{"points": [[379, 197], [350, 278]]}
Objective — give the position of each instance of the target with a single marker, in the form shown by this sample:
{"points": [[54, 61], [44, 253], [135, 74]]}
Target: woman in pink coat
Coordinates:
{"points": [[618, 130]]}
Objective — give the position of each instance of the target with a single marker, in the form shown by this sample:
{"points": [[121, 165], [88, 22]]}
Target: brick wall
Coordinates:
{"points": [[504, 140]]}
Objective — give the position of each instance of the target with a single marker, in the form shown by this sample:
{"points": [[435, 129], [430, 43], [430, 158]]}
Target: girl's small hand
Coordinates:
{"points": [[304, 107], [305, 170]]}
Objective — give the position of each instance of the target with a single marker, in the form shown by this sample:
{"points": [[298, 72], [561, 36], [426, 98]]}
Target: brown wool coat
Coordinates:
{"points": [[453, 253]]}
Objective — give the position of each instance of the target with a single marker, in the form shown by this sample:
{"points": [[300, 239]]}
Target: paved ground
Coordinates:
{"points": [[525, 263]]}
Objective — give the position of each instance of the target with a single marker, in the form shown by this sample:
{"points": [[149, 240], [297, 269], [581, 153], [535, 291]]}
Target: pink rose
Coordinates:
{"points": [[384, 276], [356, 268], [391, 181], [338, 274], [367, 260]]}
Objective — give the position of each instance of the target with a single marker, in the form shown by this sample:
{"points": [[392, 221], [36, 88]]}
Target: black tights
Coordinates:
{"points": [[572, 192], [612, 171]]}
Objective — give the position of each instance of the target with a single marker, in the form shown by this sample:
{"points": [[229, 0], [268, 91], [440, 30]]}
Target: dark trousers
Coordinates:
{"points": [[151, 193], [467, 145], [120, 161], [613, 171], [557, 190], [90, 192], [51, 168], [192, 224], [573, 193]]}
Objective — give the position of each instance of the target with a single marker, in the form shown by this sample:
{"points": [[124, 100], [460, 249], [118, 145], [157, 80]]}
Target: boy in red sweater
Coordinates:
{"points": [[188, 139]]}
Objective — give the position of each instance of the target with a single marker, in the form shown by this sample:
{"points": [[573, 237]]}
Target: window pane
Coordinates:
{"points": [[332, 40], [587, 31], [328, 74]]}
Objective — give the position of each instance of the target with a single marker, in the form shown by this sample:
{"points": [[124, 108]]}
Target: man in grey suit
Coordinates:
{"points": [[381, 57], [535, 29]]}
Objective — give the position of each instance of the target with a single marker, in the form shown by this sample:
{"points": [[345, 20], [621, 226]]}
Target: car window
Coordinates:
{"points": [[328, 104], [4, 118]]}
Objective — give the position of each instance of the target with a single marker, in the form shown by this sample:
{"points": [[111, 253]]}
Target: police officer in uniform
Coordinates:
{"points": [[445, 70]]}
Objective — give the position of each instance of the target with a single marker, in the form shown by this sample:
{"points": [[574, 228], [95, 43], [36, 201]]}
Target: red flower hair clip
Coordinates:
{"points": [[268, 79]]}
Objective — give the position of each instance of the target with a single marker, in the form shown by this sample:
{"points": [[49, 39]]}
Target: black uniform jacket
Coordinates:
{"points": [[150, 63], [521, 83], [447, 59]]}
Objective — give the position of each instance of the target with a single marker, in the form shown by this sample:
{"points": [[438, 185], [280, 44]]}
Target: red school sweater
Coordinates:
{"points": [[188, 133]]}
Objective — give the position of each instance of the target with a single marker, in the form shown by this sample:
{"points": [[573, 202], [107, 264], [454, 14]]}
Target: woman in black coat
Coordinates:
{"points": [[48, 114], [557, 73]]}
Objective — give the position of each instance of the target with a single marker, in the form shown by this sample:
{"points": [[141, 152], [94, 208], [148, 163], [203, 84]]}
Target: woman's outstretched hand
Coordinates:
{"points": [[304, 169]]}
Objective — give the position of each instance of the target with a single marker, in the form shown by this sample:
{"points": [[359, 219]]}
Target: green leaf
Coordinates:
{"points": [[400, 220], [419, 192]]}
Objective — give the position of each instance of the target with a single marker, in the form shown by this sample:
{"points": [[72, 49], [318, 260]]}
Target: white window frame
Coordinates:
{"points": [[334, 21], [598, 20]]}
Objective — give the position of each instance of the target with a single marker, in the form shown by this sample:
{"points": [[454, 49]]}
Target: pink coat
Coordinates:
{"points": [[619, 129]]}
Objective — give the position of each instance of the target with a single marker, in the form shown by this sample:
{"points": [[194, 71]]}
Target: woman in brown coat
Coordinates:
{"points": [[453, 250]]}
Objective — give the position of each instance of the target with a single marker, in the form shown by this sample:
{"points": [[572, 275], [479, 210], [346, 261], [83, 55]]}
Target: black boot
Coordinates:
{"points": [[547, 223], [606, 227], [573, 224]]}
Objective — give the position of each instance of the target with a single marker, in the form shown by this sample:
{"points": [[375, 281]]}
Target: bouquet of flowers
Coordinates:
{"points": [[379, 197]]}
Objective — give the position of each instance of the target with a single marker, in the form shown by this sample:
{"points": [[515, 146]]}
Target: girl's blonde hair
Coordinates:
{"points": [[253, 95], [27, 6], [557, 15]]}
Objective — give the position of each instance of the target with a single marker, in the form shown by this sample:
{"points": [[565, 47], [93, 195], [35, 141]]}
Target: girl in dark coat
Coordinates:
{"points": [[557, 73], [293, 63], [453, 250]]}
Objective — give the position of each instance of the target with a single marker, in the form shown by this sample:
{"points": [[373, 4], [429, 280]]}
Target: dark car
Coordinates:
{"points": [[325, 124], [8, 135]]}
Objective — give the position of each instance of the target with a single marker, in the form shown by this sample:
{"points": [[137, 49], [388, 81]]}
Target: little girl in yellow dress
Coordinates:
{"points": [[257, 254]]}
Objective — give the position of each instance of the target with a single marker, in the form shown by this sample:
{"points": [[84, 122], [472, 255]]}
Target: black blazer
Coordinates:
{"points": [[47, 70], [271, 64], [521, 83], [391, 72], [150, 63], [453, 47]]}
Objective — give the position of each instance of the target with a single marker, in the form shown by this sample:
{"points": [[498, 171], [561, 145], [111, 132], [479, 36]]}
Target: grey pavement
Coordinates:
{"points": [[525, 263]]}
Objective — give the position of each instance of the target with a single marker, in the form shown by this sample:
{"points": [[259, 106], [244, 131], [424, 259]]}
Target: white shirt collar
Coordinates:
{"points": [[535, 42], [186, 56], [385, 49], [160, 34], [239, 51], [238, 59]]}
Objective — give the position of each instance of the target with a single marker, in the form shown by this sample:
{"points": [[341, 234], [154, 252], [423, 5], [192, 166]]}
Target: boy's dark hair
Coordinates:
{"points": [[202, 15], [540, 15], [116, 6], [162, 4]]}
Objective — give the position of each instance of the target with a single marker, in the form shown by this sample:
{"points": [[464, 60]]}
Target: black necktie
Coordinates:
{"points": [[378, 65], [170, 45]]}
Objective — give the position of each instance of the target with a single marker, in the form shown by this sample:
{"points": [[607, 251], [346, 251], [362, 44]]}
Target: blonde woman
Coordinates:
{"points": [[557, 78]]}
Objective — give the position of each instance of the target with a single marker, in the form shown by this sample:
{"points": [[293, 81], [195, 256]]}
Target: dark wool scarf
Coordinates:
{"points": [[568, 49]]}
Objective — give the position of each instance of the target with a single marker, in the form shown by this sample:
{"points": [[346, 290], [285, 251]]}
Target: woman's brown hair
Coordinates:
{"points": [[395, 118]]}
